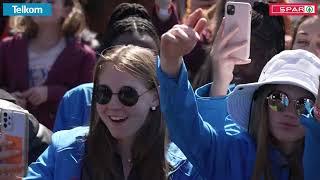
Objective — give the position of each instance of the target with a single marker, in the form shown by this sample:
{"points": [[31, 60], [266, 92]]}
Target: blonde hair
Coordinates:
{"points": [[149, 146], [72, 25]]}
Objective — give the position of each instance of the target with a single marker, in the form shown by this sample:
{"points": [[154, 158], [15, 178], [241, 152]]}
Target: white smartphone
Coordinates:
{"points": [[14, 127], [239, 13]]}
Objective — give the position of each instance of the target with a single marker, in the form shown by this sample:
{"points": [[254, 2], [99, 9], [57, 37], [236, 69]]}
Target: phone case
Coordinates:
{"points": [[14, 128], [242, 18]]}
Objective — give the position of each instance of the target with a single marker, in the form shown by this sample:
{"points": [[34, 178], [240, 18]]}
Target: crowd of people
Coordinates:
{"points": [[146, 90]]}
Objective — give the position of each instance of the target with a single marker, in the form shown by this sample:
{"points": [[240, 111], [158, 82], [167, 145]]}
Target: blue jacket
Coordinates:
{"points": [[63, 159], [74, 108], [214, 110], [214, 153]]}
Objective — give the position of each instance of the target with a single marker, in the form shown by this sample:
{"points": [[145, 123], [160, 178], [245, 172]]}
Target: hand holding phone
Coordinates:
{"points": [[231, 46], [238, 14]]}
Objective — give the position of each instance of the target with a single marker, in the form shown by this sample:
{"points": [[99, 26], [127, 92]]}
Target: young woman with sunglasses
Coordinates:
{"points": [[281, 138], [127, 136], [129, 24]]}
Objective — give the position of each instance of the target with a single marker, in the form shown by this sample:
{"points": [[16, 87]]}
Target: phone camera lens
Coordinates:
{"points": [[5, 114], [5, 119], [230, 9], [5, 126]]}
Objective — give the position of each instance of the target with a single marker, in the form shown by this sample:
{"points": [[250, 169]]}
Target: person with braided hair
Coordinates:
{"points": [[131, 24], [163, 14]]}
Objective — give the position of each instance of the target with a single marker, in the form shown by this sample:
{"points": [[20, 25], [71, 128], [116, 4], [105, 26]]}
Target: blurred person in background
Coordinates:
{"points": [[162, 12], [267, 39], [307, 34], [50, 60]]}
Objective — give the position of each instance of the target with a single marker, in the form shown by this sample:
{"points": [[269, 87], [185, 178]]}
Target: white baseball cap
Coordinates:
{"points": [[291, 67]]}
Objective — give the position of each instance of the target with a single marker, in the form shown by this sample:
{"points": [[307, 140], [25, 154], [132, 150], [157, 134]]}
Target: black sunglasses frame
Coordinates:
{"points": [[127, 95]]}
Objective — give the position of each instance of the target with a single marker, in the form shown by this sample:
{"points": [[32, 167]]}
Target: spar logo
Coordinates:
{"points": [[293, 9]]}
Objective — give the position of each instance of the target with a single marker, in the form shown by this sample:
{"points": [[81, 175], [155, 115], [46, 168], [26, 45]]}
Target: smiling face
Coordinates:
{"points": [[285, 126], [308, 36], [123, 121]]}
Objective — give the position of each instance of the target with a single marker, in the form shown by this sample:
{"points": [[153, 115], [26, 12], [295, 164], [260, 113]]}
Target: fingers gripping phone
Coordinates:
{"points": [[14, 128], [239, 14]]}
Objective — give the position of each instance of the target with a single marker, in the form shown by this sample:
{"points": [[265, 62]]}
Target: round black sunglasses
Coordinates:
{"points": [[127, 95]]}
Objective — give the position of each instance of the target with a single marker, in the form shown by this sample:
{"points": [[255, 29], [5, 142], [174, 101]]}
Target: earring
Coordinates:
{"points": [[153, 108]]}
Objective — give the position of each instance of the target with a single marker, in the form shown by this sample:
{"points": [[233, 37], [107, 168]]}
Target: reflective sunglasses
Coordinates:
{"points": [[127, 95], [278, 101]]}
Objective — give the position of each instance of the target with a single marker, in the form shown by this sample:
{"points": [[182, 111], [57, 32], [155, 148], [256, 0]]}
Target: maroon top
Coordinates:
{"points": [[73, 67]]}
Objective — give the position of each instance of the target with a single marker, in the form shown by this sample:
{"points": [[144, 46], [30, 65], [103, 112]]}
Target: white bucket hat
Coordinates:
{"points": [[293, 67]]}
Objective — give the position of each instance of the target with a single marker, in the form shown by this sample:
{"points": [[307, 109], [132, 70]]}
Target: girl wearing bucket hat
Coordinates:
{"points": [[282, 137]]}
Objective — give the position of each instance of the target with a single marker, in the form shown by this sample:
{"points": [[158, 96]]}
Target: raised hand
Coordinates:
{"points": [[179, 41], [222, 60]]}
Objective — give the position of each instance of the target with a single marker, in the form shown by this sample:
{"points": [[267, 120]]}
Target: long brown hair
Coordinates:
{"points": [[71, 25], [259, 130], [149, 146]]}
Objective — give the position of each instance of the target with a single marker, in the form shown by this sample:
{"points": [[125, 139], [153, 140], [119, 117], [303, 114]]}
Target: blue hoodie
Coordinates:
{"points": [[214, 153], [214, 110], [63, 159], [74, 110]]}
